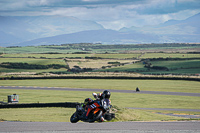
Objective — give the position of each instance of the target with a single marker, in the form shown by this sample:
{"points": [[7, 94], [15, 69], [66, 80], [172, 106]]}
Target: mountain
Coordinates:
{"points": [[32, 27], [13, 28], [173, 30], [46, 30], [94, 36]]}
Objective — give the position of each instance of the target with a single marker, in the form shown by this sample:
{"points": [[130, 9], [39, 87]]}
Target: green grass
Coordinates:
{"points": [[112, 55], [64, 114], [37, 114], [178, 64], [177, 67], [121, 100], [31, 55], [170, 55], [34, 61], [118, 56], [45, 96], [6, 70], [145, 115], [144, 85], [36, 49], [98, 48], [136, 67]]}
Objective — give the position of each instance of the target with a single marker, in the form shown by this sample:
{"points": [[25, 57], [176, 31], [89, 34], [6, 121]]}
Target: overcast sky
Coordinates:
{"points": [[112, 14]]}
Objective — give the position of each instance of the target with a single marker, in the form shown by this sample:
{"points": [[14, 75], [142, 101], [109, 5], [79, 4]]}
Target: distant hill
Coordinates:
{"points": [[33, 27], [187, 30], [94, 36]]}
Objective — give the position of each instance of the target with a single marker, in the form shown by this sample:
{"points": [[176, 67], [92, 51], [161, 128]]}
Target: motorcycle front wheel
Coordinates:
{"points": [[97, 116], [74, 118]]}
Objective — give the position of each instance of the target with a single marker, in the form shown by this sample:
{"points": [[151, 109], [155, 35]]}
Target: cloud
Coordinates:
{"points": [[112, 14], [168, 6]]}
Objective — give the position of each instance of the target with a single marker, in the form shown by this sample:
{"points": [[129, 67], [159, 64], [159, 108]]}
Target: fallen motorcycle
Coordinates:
{"points": [[96, 110]]}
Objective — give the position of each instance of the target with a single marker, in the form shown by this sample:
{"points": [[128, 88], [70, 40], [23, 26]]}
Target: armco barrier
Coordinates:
{"points": [[40, 105]]}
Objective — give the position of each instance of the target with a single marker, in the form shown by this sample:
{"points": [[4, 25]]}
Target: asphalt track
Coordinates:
{"points": [[106, 127]]}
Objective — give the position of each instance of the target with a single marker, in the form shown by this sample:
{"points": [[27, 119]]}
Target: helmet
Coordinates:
{"points": [[88, 101], [106, 94]]}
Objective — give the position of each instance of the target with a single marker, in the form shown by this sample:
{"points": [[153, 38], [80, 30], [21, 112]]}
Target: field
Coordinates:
{"points": [[119, 100], [145, 85], [96, 59], [169, 58], [121, 63], [104, 48], [174, 67]]}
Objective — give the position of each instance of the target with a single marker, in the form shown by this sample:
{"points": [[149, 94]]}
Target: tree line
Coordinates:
{"points": [[19, 65]]}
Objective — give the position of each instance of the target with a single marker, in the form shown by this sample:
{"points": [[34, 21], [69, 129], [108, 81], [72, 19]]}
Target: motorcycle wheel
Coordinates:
{"points": [[74, 119], [97, 116], [109, 116]]}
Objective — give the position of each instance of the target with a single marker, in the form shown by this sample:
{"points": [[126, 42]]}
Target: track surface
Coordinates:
{"points": [[100, 90], [139, 127]]}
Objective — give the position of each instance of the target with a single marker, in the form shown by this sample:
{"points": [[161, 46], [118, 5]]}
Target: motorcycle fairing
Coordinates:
{"points": [[91, 107]]}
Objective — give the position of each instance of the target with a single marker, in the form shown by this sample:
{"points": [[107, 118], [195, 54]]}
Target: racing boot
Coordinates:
{"points": [[102, 119]]}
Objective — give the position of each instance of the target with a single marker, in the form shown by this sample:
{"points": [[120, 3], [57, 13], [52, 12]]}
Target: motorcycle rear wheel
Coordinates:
{"points": [[74, 118], [109, 116]]}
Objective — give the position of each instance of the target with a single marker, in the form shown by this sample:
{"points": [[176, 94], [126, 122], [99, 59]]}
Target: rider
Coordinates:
{"points": [[103, 96]]}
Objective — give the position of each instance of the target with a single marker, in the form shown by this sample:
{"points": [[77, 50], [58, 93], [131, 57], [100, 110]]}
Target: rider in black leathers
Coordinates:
{"points": [[105, 96], [102, 97]]}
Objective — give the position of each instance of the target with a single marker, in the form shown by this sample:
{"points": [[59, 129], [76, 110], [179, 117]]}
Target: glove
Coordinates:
{"points": [[94, 94]]}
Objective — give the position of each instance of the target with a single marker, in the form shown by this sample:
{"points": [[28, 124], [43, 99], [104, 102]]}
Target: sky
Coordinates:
{"points": [[111, 14]]}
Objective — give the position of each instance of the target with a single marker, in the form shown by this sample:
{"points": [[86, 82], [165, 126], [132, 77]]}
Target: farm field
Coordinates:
{"points": [[182, 59], [176, 67], [104, 55], [102, 48], [170, 55], [114, 64]]}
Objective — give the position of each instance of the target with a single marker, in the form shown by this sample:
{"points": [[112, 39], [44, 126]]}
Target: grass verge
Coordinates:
{"points": [[119, 100], [144, 85]]}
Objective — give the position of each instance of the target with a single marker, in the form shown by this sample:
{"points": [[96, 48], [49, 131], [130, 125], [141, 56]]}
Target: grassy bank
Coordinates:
{"points": [[119, 100], [64, 114]]}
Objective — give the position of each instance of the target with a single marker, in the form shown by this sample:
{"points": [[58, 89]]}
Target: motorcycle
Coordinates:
{"points": [[91, 112]]}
